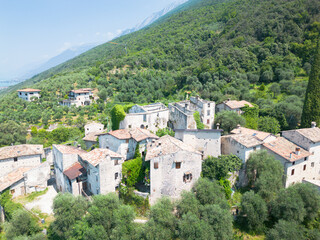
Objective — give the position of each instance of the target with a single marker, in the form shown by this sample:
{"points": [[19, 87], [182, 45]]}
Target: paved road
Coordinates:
{"points": [[44, 202]]}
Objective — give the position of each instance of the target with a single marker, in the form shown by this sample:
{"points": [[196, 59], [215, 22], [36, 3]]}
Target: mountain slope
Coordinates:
{"points": [[216, 48]]}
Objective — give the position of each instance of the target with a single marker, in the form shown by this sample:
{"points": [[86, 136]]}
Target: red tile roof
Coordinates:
{"points": [[233, 104], [64, 149], [29, 90], [82, 90], [74, 171], [92, 137], [137, 134], [20, 150], [246, 131], [97, 155], [285, 149], [12, 177]]}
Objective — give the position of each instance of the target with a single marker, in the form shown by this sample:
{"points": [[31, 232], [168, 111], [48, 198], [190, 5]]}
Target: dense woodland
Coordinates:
{"points": [[260, 51]]}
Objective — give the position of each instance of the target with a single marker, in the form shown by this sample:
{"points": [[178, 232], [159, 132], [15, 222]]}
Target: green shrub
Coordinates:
{"points": [[117, 115]]}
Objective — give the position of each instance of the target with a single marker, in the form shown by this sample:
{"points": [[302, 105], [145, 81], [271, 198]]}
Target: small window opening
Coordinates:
{"points": [[15, 159], [156, 165], [178, 165]]}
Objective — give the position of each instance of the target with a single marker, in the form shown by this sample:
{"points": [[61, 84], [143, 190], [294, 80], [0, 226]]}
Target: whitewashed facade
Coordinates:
{"points": [[207, 141], [28, 94], [152, 117], [79, 98], [174, 166], [232, 105]]}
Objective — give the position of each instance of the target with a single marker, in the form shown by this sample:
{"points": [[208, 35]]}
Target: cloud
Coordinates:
{"points": [[66, 45]]}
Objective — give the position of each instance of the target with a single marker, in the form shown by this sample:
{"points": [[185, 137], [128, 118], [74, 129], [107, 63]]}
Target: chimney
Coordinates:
{"points": [[238, 126], [229, 99], [218, 125], [298, 151], [186, 106], [313, 124]]}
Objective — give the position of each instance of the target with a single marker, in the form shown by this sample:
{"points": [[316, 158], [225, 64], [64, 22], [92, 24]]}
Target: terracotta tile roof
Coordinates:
{"points": [[284, 148], [312, 134], [246, 140], [74, 171], [137, 134], [64, 149], [97, 155], [258, 134], [82, 90], [92, 137], [167, 145], [29, 90], [20, 150], [12, 177], [234, 104]]}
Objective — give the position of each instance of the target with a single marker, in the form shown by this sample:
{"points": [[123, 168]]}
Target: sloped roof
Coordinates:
{"points": [[167, 145], [246, 140], [234, 104], [29, 90], [285, 149], [137, 134], [12, 177], [64, 149], [312, 134], [82, 90], [74, 171], [258, 134], [20, 150], [97, 155], [92, 137]]}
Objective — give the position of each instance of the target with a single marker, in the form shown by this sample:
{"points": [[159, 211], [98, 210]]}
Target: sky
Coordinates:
{"points": [[33, 31]]}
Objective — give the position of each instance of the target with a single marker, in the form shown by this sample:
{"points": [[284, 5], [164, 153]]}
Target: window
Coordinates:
{"points": [[312, 164], [116, 175], [89, 186], [187, 177], [156, 165], [237, 151], [208, 113], [178, 165], [144, 117], [208, 121], [88, 171], [15, 159], [292, 172], [116, 162], [305, 158], [293, 163], [127, 140], [208, 104], [254, 148], [129, 126], [97, 178], [304, 167]]}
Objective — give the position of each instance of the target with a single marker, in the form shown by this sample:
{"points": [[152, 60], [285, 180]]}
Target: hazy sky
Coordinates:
{"points": [[33, 31]]}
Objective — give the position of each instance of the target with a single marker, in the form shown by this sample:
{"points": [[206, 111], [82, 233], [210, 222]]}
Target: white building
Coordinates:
{"points": [[233, 105], [241, 145], [295, 160], [28, 94], [315, 183], [153, 117], [174, 166], [92, 131], [308, 139], [19, 156], [181, 113], [262, 136], [65, 158], [206, 141], [79, 98], [124, 141], [103, 169]]}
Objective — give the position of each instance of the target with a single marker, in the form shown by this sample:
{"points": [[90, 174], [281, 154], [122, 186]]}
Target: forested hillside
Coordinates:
{"points": [[260, 51]]}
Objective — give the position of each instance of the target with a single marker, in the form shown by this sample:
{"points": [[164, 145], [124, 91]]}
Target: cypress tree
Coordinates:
{"points": [[311, 108]]}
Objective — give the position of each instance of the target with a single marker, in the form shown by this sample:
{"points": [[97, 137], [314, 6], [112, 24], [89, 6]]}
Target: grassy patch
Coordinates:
{"points": [[247, 236], [30, 197]]}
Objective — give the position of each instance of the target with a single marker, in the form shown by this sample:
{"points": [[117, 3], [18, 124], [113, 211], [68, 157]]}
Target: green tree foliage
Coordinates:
{"points": [[265, 174], [137, 153], [131, 171], [286, 230], [12, 133], [220, 167], [117, 115], [269, 124], [9, 206], [21, 224], [255, 210], [251, 115], [165, 131], [311, 108], [229, 120], [197, 119]]}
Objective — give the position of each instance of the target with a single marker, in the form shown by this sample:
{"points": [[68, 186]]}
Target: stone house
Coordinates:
{"points": [[92, 131], [174, 166], [241, 145], [262, 136], [24, 180], [103, 168], [29, 93], [75, 177], [153, 117], [294, 159], [181, 113], [124, 141], [65, 159], [20, 156], [309, 140], [79, 98], [206, 141], [232, 105]]}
